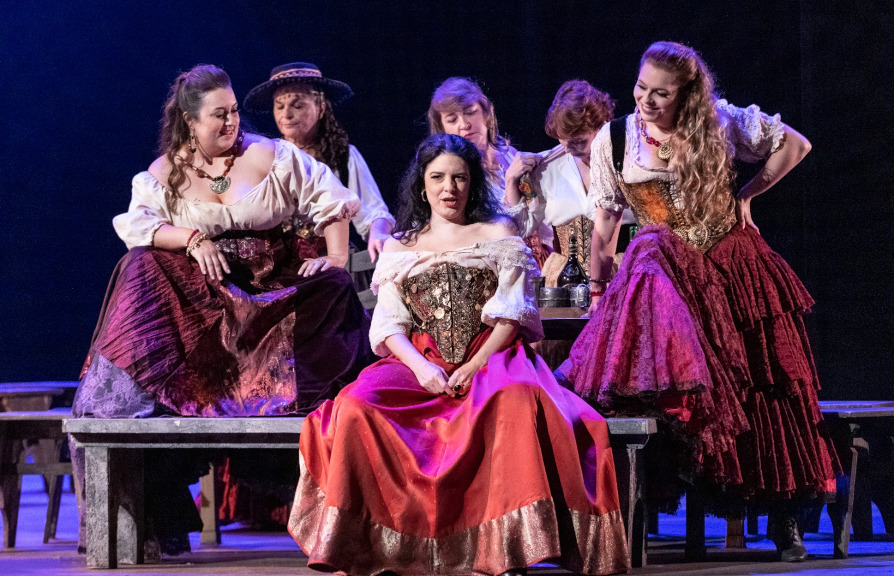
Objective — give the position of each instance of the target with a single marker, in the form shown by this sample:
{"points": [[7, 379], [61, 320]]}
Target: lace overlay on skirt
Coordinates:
{"points": [[714, 345]]}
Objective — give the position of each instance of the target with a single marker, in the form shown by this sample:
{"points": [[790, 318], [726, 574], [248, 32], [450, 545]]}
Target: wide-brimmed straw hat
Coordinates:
{"points": [[260, 98]]}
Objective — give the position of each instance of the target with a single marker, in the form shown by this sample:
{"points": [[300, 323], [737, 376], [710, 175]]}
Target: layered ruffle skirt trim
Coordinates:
{"points": [[715, 346]]}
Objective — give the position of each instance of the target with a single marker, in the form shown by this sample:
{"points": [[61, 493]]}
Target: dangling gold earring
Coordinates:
{"points": [[193, 146]]}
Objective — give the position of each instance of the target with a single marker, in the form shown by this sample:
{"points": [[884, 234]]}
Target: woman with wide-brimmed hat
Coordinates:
{"points": [[302, 101]]}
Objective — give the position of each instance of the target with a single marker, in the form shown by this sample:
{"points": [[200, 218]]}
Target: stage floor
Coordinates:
{"points": [[254, 553]]}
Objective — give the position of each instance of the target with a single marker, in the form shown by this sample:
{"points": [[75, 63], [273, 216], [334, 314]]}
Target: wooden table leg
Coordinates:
{"points": [[735, 533]]}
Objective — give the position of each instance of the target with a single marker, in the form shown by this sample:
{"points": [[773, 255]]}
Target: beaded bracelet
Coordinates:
{"points": [[600, 280], [191, 236], [194, 241], [594, 293]]}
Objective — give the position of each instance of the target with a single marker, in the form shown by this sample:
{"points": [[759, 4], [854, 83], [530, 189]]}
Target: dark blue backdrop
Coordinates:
{"points": [[83, 85]]}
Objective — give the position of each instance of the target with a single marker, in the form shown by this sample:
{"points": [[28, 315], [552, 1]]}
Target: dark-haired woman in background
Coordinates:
{"points": [[702, 325], [303, 103], [458, 452], [215, 311]]}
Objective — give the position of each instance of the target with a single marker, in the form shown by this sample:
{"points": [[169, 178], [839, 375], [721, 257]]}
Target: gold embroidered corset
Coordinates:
{"points": [[446, 303], [582, 228], [655, 202]]}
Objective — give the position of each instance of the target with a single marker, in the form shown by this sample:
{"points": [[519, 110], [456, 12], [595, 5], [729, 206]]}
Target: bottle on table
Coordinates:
{"points": [[574, 278]]}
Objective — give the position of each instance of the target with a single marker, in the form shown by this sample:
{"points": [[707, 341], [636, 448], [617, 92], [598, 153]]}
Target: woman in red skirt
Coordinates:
{"points": [[458, 452]]}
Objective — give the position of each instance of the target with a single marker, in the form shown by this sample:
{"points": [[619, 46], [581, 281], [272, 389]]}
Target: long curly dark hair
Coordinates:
{"points": [[331, 142], [414, 213]]}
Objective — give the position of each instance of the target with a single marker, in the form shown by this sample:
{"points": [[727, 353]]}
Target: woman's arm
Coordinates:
{"points": [[794, 148], [336, 234], [430, 376], [602, 251], [503, 333]]}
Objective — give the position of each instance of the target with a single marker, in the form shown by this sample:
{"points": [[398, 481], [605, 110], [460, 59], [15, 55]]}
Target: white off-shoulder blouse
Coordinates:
{"points": [[562, 197], [753, 136], [296, 185], [508, 258]]}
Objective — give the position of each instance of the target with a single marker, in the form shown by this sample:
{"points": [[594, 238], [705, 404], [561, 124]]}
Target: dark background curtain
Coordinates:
{"points": [[83, 84]]}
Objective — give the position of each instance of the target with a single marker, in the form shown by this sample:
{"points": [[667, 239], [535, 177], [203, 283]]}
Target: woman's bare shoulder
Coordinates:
{"points": [[394, 244], [501, 227], [160, 168]]}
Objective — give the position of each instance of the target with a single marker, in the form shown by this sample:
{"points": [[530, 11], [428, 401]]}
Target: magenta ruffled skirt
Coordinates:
{"points": [[714, 345]]}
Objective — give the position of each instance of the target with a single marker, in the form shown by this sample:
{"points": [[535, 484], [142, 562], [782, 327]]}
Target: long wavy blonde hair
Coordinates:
{"points": [[702, 154]]}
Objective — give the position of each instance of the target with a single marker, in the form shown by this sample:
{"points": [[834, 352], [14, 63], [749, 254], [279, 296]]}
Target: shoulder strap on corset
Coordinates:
{"points": [[618, 132]]}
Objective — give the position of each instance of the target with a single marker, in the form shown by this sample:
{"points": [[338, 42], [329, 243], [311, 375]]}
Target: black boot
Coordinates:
{"points": [[782, 529]]}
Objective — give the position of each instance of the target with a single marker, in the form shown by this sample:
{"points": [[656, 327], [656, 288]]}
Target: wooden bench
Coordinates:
{"points": [[848, 422], [44, 429], [114, 453]]}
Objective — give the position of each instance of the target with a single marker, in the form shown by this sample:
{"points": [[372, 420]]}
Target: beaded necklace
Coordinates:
{"points": [[665, 150], [220, 184]]}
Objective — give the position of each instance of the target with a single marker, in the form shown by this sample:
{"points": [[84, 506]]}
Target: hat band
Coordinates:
{"points": [[298, 73]]}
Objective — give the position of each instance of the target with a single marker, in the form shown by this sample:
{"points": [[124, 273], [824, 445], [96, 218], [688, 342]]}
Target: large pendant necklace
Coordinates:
{"points": [[220, 184], [665, 150]]}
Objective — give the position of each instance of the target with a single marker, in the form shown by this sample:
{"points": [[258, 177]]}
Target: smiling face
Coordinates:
{"points": [[218, 121], [447, 183], [296, 110], [468, 122], [657, 95]]}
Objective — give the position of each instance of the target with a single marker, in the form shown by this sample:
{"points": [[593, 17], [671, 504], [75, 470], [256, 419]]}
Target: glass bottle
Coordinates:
{"points": [[573, 276]]}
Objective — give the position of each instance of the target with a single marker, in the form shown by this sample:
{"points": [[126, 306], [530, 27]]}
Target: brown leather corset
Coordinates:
{"points": [[582, 228], [653, 202], [446, 303]]}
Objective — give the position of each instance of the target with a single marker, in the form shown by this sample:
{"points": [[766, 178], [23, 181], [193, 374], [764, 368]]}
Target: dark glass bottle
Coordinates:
{"points": [[573, 273]]}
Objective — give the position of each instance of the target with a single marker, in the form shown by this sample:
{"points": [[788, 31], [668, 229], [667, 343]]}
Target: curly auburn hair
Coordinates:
{"points": [[578, 108], [183, 103], [703, 157], [414, 213]]}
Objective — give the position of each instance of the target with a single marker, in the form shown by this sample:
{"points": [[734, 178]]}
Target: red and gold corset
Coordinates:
{"points": [[654, 202], [446, 303]]}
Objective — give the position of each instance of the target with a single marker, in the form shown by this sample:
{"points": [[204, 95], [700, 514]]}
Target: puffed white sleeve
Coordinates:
{"points": [[514, 298], [319, 196], [148, 211], [753, 134], [391, 315], [362, 183], [604, 190]]}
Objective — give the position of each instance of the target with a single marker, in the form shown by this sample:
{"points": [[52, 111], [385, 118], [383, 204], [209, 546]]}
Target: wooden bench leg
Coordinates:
{"points": [[102, 510], [735, 533], [114, 498], [54, 500], [630, 471], [751, 523], [10, 486], [695, 528], [841, 511], [208, 503]]}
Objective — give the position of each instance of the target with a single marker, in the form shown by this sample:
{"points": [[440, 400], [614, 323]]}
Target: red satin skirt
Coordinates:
{"points": [[517, 471], [715, 345]]}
